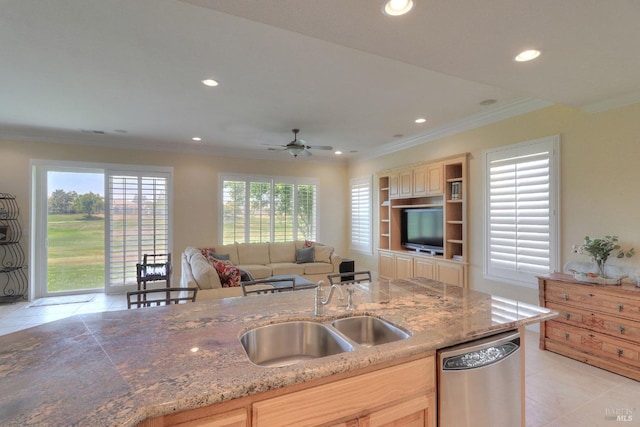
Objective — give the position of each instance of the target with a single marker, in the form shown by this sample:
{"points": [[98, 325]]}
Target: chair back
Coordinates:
{"points": [[349, 277], [160, 296], [269, 285]]}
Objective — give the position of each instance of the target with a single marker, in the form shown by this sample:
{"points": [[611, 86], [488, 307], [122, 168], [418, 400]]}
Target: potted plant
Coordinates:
{"points": [[600, 250]]}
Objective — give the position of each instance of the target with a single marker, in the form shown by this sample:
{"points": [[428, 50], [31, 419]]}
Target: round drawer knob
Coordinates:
{"points": [[620, 307], [567, 316], [619, 352], [621, 329], [565, 296]]}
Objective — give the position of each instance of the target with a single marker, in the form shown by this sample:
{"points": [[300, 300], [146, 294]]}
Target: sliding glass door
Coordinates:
{"points": [[92, 225]]}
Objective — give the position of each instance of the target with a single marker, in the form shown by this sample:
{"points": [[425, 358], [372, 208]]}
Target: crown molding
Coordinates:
{"points": [[502, 112], [613, 103]]}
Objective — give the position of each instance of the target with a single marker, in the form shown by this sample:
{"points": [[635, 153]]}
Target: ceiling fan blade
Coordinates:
{"points": [[319, 147], [274, 145]]}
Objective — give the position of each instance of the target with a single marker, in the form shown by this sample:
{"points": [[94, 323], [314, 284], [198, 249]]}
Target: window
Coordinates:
{"points": [[138, 221], [268, 209], [361, 215], [521, 211]]}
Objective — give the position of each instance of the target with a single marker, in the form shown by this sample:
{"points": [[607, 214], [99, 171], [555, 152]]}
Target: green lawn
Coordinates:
{"points": [[75, 253]]}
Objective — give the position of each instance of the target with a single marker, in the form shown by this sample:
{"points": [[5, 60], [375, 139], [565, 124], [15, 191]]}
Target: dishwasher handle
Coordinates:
{"points": [[482, 357]]}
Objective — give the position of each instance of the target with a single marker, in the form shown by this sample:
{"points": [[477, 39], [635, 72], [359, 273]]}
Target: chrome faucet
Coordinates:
{"points": [[350, 304], [320, 302]]}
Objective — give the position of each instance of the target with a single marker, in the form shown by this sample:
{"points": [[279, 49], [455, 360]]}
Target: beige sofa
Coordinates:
{"points": [[262, 260]]}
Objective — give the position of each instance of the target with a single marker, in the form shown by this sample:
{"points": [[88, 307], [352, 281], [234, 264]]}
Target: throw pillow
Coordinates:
{"points": [[229, 274], [246, 276], [304, 255], [221, 257], [323, 253]]}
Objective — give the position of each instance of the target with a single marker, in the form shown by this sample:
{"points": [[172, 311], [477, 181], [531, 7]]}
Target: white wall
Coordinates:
{"points": [[195, 186], [600, 154]]}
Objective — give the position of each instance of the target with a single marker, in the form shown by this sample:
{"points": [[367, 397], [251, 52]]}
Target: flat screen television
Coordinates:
{"points": [[422, 230]]}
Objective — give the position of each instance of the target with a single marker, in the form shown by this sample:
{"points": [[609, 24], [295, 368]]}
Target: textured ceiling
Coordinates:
{"points": [[127, 73]]}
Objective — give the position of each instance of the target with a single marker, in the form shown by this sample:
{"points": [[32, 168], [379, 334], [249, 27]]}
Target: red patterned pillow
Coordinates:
{"points": [[308, 244], [229, 274]]}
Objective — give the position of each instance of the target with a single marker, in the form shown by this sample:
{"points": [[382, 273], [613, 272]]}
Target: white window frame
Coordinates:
{"points": [[273, 180], [552, 145], [361, 214], [38, 255]]}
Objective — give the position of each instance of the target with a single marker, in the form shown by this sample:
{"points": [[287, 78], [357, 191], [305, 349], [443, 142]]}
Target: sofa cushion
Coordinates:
{"points": [[221, 257], [318, 268], [231, 250], [253, 253], [282, 252], [203, 272], [258, 271], [280, 268], [323, 253], [304, 255]]}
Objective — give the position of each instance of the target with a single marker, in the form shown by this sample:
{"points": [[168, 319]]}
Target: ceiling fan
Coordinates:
{"points": [[300, 147]]}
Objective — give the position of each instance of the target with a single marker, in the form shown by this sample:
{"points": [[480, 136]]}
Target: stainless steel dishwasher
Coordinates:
{"points": [[480, 384]]}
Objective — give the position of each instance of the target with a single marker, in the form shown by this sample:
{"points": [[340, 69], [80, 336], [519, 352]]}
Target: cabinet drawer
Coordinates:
{"points": [[348, 398], [595, 297], [611, 325], [593, 343]]}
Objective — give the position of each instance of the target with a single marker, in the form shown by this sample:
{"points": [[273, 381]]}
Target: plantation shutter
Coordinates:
{"points": [[263, 209], [306, 212], [361, 234], [520, 212], [233, 215], [284, 215], [138, 209]]}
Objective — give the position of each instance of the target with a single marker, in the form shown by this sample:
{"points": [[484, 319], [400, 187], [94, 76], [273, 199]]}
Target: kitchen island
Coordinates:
{"points": [[122, 368]]}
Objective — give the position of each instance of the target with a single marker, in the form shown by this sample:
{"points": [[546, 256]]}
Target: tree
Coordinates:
{"points": [[61, 202], [89, 203]]}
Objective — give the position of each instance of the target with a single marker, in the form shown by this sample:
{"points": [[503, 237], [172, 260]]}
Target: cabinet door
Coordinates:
{"points": [[435, 179], [404, 267], [347, 399], [385, 265], [417, 412], [394, 186], [450, 273], [420, 181], [406, 183], [236, 418], [423, 267]]}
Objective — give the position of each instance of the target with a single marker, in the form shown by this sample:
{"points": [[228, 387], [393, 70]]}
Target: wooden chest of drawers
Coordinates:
{"points": [[598, 325]]}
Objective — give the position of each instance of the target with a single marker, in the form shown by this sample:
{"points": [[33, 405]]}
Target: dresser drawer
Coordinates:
{"points": [[598, 298], [614, 326], [593, 343]]}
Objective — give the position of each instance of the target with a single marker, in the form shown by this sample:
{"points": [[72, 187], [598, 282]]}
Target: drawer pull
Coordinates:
{"points": [[619, 352], [567, 316], [621, 329], [620, 307], [565, 296], [566, 336]]}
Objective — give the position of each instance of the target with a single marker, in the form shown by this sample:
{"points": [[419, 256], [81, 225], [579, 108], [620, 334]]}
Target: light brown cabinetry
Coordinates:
{"points": [[598, 324], [429, 185], [386, 397], [399, 395]]}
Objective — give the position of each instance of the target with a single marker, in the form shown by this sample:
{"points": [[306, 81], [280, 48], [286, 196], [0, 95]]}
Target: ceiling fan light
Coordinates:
{"points": [[294, 150], [397, 7]]}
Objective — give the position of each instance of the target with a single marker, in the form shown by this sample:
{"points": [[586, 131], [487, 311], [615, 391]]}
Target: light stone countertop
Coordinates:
{"points": [[118, 368]]}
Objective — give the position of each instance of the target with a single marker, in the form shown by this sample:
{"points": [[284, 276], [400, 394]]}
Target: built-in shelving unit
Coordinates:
{"points": [[13, 279], [424, 185]]}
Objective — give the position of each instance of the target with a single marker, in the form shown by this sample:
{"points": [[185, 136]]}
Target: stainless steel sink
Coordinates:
{"points": [[369, 331], [283, 344]]}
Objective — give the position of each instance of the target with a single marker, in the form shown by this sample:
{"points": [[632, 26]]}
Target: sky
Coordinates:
{"points": [[81, 183]]}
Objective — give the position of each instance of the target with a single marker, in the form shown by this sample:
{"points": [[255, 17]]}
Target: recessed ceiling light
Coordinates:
{"points": [[210, 82], [488, 102], [397, 7], [338, 152], [420, 120], [196, 138], [527, 55]]}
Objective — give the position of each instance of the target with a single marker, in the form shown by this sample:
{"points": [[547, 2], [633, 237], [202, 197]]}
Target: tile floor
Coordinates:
{"points": [[560, 392]]}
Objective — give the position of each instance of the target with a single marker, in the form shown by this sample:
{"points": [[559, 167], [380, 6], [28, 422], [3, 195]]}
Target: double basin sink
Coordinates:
{"points": [[287, 343]]}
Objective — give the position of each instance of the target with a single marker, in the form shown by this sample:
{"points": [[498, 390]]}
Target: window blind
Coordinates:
{"points": [[361, 233], [263, 209], [520, 230], [138, 222]]}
